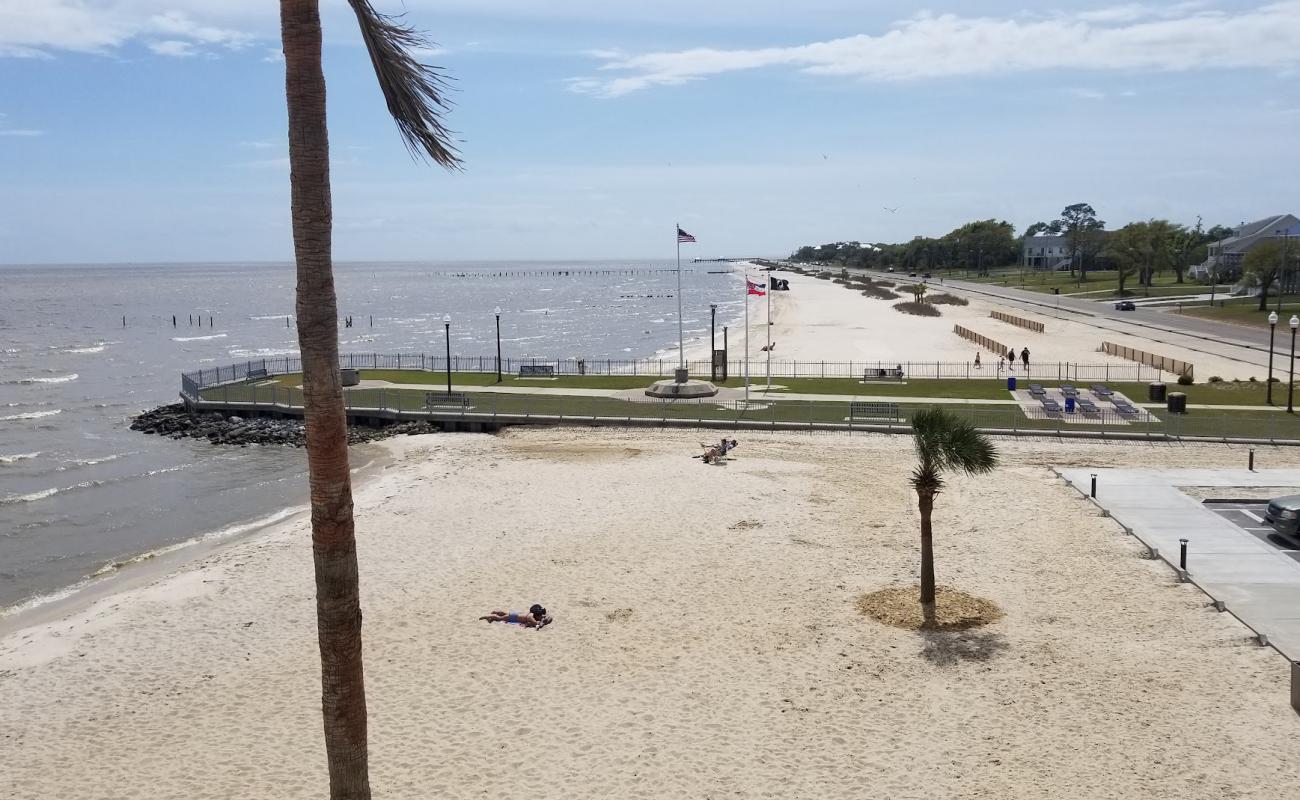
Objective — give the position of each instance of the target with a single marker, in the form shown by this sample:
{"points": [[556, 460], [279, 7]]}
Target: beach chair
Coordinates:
{"points": [[1051, 406], [1037, 390], [1069, 391], [1088, 407], [1101, 391], [1124, 409]]}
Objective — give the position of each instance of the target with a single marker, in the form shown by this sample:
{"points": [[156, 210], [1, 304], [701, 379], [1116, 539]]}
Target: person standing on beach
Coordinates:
{"points": [[1024, 356]]}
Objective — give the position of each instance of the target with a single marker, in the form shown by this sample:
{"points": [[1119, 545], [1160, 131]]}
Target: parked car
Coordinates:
{"points": [[1283, 513], [926, 276], [891, 269], [911, 274], [1126, 305]]}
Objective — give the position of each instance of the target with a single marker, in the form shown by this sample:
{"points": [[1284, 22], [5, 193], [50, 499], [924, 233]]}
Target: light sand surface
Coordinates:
{"points": [[706, 643], [818, 320]]}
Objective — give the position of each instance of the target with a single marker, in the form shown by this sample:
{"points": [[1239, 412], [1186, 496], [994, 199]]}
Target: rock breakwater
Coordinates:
{"points": [[178, 423]]}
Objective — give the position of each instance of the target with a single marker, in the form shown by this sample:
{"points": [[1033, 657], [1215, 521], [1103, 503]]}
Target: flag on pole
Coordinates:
{"points": [[755, 288], [683, 236]]}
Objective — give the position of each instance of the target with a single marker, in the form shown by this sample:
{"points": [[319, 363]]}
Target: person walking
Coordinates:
{"points": [[977, 361], [1011, 357], [1024, 356]]}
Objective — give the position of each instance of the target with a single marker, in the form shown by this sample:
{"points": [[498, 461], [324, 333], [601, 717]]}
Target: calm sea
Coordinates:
{"points": [[80, 492]]}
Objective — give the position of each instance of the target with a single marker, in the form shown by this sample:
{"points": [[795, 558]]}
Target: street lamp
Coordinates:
{"points": [[446, 329], [713, 340], [1272, 328], [1290, 378], [498, 313]]}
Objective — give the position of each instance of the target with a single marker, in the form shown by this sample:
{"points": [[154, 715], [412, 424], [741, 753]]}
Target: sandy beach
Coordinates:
{"points": [[818, 320], [707, 642]]}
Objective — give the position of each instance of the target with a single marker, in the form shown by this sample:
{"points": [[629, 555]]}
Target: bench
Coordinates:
{"points": [[1124, 409], [1101, 391], [1051, 406], [1037, 390], [536, 371], [866, 409], [1069, 391], [256, 373], [882, 373], [1088, 407], [457, 400]]}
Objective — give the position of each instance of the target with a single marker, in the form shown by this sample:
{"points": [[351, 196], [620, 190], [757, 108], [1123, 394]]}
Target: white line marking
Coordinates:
{"points": [[1252, 515]]}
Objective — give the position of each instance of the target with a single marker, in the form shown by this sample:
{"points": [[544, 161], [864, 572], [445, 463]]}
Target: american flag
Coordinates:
{"points": [[755, 288], [683, 236]]}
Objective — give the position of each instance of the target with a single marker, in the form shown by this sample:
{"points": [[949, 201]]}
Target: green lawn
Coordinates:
{"points": [[1202, 394], [1097, 281], [1245, 311]]}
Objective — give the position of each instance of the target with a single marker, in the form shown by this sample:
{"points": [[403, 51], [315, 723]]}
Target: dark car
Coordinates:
{"points": [[1126, 305], [911, 274], [926, 275], [1283, 513]]}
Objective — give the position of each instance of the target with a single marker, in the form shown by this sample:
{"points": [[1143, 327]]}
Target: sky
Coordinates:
{"points": [[154, 130]]}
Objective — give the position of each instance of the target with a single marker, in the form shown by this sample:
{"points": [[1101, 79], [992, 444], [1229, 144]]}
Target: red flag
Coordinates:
{"points": [[755, 288]]}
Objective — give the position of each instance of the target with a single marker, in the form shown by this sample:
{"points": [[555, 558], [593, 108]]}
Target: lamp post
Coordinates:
{"points": [[446, 329], [1272, 328], [498, 313], [713, 341], [1290, 378]]}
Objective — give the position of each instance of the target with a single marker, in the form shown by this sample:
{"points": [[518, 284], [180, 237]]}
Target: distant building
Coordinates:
{"points": [[1225, 256], [1046, 252]]}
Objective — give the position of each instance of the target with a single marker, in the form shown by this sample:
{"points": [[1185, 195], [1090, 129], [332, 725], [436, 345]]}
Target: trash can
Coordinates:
{"points": [[1011, 383], [1156, 392], [1069, 405], [1177, 403], [349, 377]]}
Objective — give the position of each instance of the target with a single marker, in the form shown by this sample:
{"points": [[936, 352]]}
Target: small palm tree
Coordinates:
{"points": [[414, 95], [943, 442], [919, 291]]}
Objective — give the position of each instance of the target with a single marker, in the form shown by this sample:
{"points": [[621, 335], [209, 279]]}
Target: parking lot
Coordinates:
{"points": [[1250, 518]]}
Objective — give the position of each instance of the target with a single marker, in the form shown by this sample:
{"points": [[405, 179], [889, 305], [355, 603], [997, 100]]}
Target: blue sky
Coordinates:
{"points": [[154, 130]]}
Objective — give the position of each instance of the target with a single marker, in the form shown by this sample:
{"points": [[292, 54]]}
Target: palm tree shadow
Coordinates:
{"points": [[947, 648]]}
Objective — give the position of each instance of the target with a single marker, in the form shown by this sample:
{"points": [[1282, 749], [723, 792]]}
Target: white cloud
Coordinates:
{"points": [[1088, 94], [1130, 38], [173, 47], [35, 28], [6, 129]]}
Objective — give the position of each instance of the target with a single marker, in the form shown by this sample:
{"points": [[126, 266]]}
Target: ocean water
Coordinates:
{"points": [[80, 492]]}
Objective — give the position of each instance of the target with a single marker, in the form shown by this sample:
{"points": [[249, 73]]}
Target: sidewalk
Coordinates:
{"points": [[1259, 584]]}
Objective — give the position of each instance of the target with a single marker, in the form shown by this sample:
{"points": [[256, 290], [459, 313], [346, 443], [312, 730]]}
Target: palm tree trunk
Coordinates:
{"points": [[338, 606], [925, 503]]}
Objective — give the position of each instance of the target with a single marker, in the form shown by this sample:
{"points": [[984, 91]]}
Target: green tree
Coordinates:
{"points": [[414, 94], [1082, 231], [943, 443], [1129, 250], [1262, 267]]}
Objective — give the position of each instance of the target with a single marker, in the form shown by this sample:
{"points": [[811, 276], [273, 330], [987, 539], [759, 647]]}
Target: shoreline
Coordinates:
{"points": [[142, 569]]}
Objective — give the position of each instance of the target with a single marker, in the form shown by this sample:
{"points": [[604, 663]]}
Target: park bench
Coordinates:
{"points": [[1088, 407], [536, 371], [882, 373], [1124, 408], [444, 400], [1037, 390], [873, 410], [256, 373], [1051, 406], [1101, 391], [1069, 391]]}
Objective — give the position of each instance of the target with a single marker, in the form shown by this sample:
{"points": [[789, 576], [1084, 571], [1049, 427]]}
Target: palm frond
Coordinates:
{"points": [[415, 92], [945, 442]]}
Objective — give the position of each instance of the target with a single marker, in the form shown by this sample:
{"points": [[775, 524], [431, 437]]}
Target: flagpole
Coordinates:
{"points": [[769, 331], [681, 339]]}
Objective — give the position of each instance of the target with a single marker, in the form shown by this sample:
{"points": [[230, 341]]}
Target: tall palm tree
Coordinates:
{"points": [[943, 442], [414, 93]]}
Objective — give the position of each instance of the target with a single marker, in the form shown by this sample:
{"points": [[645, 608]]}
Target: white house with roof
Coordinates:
{"points": [[1225, 256], [1046, 252]]}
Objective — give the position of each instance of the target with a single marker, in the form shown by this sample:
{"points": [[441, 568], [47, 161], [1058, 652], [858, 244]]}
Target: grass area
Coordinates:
{"points": [[1097, 281], [1200, 422], [1245, 311], [1200, 394]]}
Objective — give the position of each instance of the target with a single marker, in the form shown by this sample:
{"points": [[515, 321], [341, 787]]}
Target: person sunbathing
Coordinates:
{"points": [[534, 617]]}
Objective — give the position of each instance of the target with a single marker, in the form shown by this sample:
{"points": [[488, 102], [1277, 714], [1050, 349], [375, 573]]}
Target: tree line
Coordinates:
{"points": [[1139, 249]]}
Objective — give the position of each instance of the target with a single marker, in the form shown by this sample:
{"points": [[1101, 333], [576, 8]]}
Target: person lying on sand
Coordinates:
{"points": [[715, 453], [534, 617]]}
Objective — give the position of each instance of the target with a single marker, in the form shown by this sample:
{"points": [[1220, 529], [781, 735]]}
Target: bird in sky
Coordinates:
{"points": [[891, 210]]}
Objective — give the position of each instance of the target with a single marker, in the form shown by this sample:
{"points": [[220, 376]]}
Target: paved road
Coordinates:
{"points": [[1193, 333], [1257, 579]]}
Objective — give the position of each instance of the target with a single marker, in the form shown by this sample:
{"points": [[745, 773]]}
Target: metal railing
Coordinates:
{"points": [[499, 408], [664, 367]]}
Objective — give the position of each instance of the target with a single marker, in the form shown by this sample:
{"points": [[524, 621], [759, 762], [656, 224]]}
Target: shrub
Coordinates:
{"points": [[1215, 379], [1184, 380], [905, 288], [824, 276], [879, 292], [948, 300], [1252, 379], [917, 309], [886, 284]]}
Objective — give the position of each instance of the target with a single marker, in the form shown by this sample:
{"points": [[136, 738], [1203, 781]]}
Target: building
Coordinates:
{"points": [[1046, 252], [1225, 256]]}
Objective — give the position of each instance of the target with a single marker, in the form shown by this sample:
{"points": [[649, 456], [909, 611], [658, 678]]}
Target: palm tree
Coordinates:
{"points": [[414, 95], [943, 442]]}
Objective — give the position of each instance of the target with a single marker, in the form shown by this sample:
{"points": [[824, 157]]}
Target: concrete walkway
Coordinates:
{"points": [[1257, 582]]}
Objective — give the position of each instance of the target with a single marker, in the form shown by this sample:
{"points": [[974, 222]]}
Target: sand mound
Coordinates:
{"points": [[900, 606]]}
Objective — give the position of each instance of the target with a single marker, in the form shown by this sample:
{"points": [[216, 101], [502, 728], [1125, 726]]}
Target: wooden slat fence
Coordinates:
{"points": [[1019, 322], [1150, 359], [980, 339]]}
